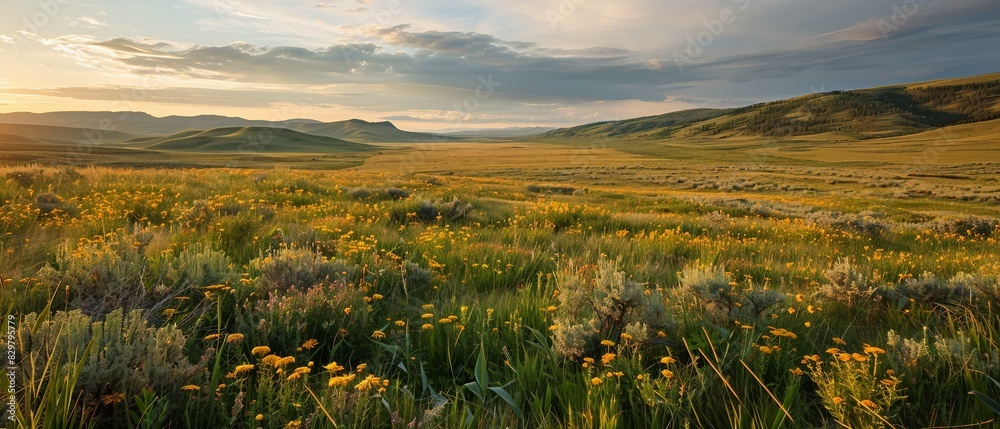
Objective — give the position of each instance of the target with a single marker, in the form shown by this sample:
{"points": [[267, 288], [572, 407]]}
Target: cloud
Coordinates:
{"points": [[913, 17], [422, 59], [450, 60], [89, 22]]}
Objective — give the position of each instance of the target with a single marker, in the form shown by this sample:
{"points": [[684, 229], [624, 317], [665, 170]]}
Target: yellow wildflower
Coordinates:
{"points": [[284, 361], [234, 338], [310, 344], [341, 381], [260, 350], [872, 350], [782, 332], [242, 369], [368, 383]]}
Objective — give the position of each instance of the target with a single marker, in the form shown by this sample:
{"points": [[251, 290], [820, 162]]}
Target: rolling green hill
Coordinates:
{"points": [[838, 115], [249, 140], [363, 131], [19, 133], [659, 126]]}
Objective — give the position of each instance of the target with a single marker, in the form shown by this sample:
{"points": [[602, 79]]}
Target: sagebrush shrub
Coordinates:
{"points": [[978, 286], [845, 284], [869, 223], [298, 268], [928, 288], [723, 298], [24, 178], [48, 203], [601, 305], [968, 226], [427, 211], [127, 356], [378, 194], [329, 312], [103, 273]]}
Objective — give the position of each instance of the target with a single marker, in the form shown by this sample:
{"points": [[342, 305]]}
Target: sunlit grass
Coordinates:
{"points": [[336, 299]]}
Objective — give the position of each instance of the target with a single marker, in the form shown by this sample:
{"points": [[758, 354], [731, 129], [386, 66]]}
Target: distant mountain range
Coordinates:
{"points": [[357, 130], [139, 123], [143, 124]]}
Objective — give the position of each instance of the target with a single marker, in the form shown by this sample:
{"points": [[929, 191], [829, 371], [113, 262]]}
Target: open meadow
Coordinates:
{"points": [[518, 285]]}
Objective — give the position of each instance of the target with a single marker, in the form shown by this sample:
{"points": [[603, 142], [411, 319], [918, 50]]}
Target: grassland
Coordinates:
{"points": [[660, 272], [630, 287]]}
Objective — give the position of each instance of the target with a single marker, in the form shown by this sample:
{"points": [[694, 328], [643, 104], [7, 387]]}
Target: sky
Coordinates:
{"points": [[466, 64]]}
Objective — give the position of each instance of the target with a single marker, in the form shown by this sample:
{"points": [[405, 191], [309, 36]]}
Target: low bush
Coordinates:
{"points": [[601, 305]]}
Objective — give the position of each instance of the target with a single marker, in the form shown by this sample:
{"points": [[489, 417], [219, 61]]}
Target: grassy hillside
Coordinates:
{"points": [[19, 133], [363, 131], [250, 139], [660, 126], [838, 115]]}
